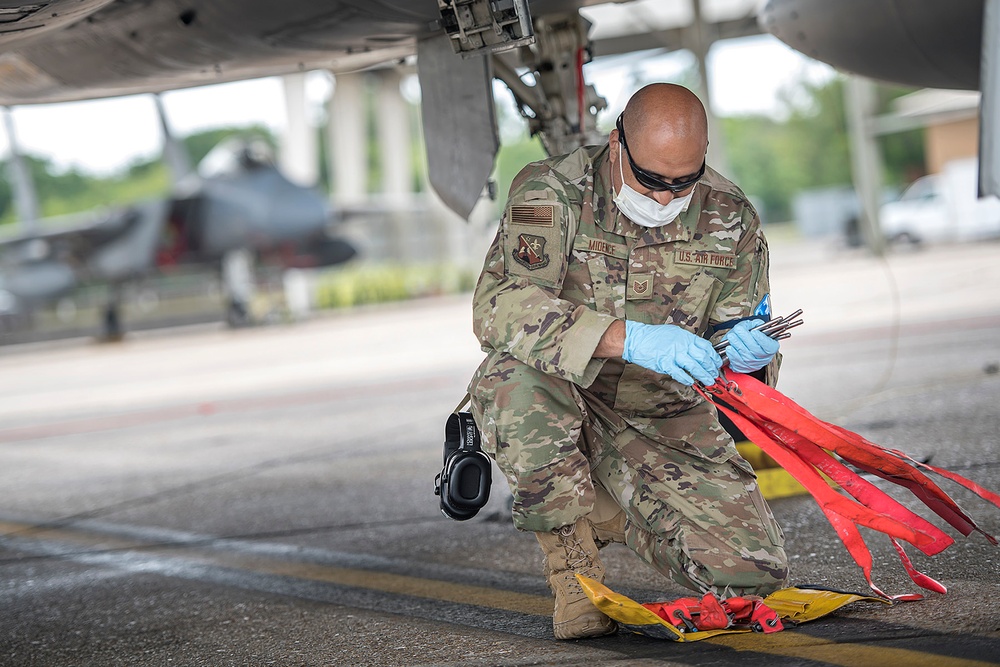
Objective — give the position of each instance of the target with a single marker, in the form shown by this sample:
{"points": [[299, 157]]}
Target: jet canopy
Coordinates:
{"points": [[236, 155]]}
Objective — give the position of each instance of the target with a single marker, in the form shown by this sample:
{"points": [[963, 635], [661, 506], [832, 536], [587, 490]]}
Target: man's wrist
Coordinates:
{"points": [[612, 343]]}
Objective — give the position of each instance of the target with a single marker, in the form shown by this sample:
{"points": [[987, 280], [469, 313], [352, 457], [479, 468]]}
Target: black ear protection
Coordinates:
{"points": [[464, 483]]}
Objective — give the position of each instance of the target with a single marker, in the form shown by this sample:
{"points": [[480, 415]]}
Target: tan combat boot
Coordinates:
{"points": [[607, 519], [569, 550]]}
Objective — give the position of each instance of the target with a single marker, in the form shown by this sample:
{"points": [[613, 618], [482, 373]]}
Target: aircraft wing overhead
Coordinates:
{"points": [[922, 43], [122, 47], [63, 50]]}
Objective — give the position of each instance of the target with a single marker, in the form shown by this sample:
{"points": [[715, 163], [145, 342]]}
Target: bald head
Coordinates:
{"points": [[666, 131], [666, 112]]}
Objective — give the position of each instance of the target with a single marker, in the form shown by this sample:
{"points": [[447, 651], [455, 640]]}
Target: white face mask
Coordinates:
{"points": [[643, 210]]}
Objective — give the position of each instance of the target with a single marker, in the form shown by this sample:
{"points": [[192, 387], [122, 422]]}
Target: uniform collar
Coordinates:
{"points": [[615, 222]]}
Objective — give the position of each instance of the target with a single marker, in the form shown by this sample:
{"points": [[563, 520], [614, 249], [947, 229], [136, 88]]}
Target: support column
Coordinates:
{"points": [[348, 140], [866, 165], [411, 241], [395, 143], [25, 195], [299, 155], [989, 108], [701, 42]]}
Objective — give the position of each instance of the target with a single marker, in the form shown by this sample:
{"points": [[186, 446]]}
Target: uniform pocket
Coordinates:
{"points": [[606, 282], [771, 527], [695, 303]]}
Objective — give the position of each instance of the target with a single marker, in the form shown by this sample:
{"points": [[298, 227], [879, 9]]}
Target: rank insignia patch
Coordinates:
{"points": [[639, 286], [530, 251]]}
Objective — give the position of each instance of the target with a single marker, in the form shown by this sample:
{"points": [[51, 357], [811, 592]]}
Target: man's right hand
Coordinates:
{"points": [[673, 351]]}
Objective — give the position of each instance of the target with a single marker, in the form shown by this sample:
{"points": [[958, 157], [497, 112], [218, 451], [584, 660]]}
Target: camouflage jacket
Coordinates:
{"points": [[566, 263]]}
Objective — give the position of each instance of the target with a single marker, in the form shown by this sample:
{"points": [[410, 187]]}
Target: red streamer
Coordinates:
{"points": [[805, 445]]}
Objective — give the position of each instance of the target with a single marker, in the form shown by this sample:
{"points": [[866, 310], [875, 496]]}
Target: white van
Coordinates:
{"points": [[942, 207]]}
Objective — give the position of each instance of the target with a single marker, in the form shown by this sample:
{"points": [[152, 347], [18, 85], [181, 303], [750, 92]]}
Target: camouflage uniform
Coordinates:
{"points": [[564, 265]]}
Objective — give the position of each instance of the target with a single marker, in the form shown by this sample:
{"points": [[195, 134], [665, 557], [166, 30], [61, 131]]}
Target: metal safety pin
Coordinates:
{"points": [[776, 328]]}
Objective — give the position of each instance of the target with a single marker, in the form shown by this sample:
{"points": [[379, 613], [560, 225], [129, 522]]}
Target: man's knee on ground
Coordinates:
{"points": [[718, 565], [716, 558]]}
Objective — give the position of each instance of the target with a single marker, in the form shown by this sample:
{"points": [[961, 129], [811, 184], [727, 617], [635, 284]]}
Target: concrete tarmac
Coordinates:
{"points": [[199, 496]]}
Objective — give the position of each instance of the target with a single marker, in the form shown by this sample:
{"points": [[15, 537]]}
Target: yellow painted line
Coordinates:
{"points": [[39, 531], [789, 644], [431, 589], [800, 645]]}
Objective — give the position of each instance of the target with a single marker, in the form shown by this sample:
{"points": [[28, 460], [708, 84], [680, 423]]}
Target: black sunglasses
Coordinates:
{"points": [[650, 180]]}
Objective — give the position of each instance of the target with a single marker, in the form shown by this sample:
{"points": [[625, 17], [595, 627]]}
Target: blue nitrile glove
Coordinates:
{"points": [[673, 351], [749, 350]]}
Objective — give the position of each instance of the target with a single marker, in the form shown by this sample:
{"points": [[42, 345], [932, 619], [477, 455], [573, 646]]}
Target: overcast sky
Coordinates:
{"points": [[103, 135]]}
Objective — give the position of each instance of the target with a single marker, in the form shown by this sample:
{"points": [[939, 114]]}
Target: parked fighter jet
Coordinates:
{"points": [[236, 208]]}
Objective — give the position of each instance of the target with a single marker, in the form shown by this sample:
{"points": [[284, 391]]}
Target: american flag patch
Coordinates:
{"points": [[537, 216]]}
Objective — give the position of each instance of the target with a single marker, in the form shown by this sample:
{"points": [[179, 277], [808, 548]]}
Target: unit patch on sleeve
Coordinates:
{"points": [[530, 251], [715, 260]]}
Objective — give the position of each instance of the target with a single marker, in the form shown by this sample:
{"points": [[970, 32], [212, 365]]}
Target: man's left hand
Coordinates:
{"points": [[749, 350]]}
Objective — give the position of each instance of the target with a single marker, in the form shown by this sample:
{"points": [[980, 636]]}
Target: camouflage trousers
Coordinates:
{"points": [[700, 522]]}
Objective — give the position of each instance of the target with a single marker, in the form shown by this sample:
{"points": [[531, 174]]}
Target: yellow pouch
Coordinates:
{"points": [[796, 605], [807, 604]]}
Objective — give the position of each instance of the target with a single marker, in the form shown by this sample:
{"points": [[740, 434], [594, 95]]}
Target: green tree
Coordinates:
{"points": [[511, 158], [903, 155], [806, 146]]}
